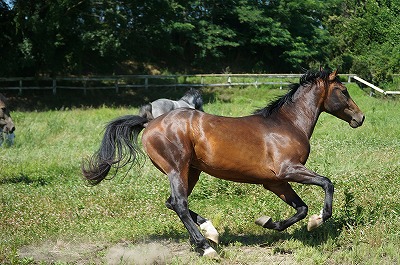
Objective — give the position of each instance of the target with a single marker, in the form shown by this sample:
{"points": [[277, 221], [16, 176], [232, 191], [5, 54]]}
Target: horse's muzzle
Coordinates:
{"points": [[357, 121]]}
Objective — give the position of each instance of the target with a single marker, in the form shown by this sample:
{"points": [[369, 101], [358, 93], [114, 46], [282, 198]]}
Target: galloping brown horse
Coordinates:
{"points": [[269, 148]]}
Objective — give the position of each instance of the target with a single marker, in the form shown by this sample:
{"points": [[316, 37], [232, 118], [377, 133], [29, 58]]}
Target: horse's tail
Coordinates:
{"points": [[118, 147], [145, 111]]}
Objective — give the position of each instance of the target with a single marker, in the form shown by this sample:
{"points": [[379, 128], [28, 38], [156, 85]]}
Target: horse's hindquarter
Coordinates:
{"points": [[247, 149], [161, 106]]}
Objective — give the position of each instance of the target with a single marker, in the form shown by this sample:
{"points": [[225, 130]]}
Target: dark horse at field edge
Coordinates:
{"points": [[6, 123], [269, 148]]}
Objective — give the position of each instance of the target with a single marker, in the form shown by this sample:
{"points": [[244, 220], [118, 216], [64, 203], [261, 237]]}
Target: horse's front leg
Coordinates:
{"points": [[301, 174], [284, 191]]}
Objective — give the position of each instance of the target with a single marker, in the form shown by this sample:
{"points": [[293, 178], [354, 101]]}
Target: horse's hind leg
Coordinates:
{"points": [[284, 191], [205, 225], [179, 203], [173, 159]]}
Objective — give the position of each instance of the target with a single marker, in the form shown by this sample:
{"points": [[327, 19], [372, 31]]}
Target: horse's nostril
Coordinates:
{"points": [[12, 130]]}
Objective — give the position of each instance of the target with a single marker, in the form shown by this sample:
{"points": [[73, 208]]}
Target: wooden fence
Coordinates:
{"points": [[380, 90], [147, 81]]}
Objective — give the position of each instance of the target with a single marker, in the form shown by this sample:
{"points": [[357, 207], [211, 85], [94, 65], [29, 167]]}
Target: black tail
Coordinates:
{"points": [[118, 147]]}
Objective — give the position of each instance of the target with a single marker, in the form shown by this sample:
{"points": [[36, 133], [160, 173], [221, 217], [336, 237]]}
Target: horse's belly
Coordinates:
{"points": [[245, 173]]}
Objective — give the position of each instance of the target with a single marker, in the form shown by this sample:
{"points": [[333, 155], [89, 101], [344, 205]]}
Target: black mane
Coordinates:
{"points": [[309, 78]]}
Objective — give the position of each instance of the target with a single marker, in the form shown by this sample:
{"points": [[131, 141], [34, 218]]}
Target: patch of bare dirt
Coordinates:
{"points": [[146, 253], [63, 252]]}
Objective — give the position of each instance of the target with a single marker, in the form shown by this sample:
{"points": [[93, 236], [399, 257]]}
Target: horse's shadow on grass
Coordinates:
{"points": [[331, 230]]}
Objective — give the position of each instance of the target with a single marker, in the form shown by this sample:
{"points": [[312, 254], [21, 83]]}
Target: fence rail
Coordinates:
{"points": [[146, 81], [380, 90]]}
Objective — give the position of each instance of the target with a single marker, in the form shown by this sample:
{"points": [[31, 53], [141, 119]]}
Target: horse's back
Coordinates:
{"points": [[244, 149], [225, 147]]}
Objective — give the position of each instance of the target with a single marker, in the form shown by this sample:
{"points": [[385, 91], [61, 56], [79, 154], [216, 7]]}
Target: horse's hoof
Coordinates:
{"points": [[264, 221], [210, 253], [314, 221], [213, 237], [209, 231]]}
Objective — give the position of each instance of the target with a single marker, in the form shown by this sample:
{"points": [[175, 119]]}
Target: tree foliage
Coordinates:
{"points": [[366, 38], [116, 37]]}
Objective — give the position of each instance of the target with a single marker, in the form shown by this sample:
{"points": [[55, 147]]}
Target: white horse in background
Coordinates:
{"points": [[192, 99]]}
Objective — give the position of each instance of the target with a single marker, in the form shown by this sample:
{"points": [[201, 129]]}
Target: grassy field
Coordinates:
{"points": [[49, 216]]}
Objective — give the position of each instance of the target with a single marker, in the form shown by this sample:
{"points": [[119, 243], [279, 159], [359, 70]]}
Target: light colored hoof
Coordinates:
{"points": [[209, 231], [263, 220], [213, 237], [210, 253], [314, 221]]}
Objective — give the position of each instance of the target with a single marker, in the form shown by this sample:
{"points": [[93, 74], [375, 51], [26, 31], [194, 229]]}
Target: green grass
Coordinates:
{"points": [[43, 197]]}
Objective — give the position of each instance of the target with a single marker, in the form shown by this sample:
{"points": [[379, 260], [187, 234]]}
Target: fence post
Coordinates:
{"points": [[20, 86], [146, 83], [84, 87], [54, 86], [116, 85]]}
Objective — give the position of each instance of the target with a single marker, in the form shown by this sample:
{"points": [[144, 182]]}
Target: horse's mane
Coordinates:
{"points": [[309, 78]]}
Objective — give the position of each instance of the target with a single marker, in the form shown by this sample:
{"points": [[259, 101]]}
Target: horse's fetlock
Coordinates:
{"points": [[326, 215], [303, 211]]}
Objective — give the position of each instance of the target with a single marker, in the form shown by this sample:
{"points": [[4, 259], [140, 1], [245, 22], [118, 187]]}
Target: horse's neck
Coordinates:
{"points": [[305, 109]]}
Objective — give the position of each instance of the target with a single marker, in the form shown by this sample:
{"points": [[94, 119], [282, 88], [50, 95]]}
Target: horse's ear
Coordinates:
{"points": [[333, 75]]}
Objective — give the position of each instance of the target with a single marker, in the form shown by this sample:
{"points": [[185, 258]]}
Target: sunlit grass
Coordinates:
{"points": [[43, 197]]}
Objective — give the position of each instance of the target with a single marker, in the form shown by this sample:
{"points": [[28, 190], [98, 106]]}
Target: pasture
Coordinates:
{"points": [[49, 216]]}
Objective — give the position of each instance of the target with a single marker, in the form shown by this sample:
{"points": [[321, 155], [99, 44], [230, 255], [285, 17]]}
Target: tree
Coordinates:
{"points": [[366, 38], [103, 37]]}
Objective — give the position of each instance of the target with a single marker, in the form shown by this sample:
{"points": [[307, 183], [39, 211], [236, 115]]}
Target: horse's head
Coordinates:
{"points": [[339, 103], [194, 98], [6, 123]]}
